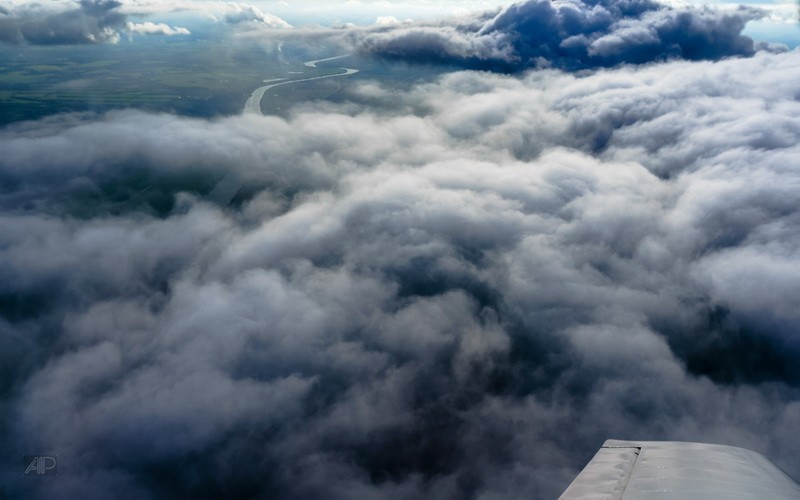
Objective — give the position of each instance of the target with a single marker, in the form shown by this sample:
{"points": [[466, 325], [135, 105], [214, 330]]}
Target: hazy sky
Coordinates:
{"points": [[778, 21], [780, 25], [301, 11]]}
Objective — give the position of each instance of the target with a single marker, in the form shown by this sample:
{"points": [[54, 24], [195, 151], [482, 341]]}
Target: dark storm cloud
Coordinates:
{"points": [[461, 294], [569, 35], [86, 21]]}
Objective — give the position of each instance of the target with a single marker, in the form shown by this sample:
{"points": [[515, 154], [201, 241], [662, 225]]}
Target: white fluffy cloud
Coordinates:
{"points": [[148, 28]]}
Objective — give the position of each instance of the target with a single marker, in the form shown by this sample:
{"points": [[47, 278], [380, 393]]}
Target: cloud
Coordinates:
{"points": [[386, 20], [102, 21], [456, 290], [87, 21], [235, 13], [225, 12], [568, 35], [148, 28]]}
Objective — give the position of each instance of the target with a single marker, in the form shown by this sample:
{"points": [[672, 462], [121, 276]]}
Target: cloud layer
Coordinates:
{"points": [[65, 22], [570, 34], [86, 21], [457, 291]]}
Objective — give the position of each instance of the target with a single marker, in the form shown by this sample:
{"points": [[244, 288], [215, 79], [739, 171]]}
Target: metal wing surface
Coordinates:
{"points": [[665, 470]]}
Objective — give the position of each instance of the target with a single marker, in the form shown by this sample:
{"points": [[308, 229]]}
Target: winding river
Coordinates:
{"points": [[253, 104]]}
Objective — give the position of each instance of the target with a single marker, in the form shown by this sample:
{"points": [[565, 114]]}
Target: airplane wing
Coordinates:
{"points": [[665, 470]]}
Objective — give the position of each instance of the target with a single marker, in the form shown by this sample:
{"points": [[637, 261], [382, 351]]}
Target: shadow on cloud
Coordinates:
{"points": [[569, 35]]}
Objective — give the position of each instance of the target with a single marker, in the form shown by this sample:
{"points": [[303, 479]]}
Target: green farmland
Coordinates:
{"points": [[199, 79], [193, 79]]}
